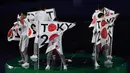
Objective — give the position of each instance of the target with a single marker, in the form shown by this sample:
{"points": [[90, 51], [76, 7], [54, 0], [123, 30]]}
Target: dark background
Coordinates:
{"points": [[77, 39]]}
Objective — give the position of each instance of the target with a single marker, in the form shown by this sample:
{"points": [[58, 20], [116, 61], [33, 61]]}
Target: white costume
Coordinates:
{"points": [[24, 40], [106, 12], [55, 44]]}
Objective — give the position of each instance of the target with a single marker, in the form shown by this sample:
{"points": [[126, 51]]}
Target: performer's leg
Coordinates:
{"points": [[97, 51], [96, 57], [105, 51], [111, 41], [26, 64], [49, 55], [106, 54], [107, 61], [25, 46], [110, 45], [110, 50], [93, 53], [25, 55], [59, 40], [22, 57], [63, 60]]}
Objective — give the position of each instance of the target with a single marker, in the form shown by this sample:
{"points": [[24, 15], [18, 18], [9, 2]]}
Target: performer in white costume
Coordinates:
{"points": [[56, 44], [102, 11], [24, 40], [106, 12]]}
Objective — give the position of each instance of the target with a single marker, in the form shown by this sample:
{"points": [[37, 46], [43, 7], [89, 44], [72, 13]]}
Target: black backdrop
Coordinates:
{"points": [[77, 39]]}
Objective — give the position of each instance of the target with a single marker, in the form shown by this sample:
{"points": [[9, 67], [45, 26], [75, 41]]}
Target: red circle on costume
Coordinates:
{"points": [[53, 36], [103, 23], [51, 27], [10, 32], [104, 33], [29, 32]]}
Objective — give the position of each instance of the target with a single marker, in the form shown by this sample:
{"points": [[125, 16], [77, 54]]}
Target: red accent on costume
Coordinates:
{"points": [[53, 36], [104, 33], [10, 32], [30, 32], [104, 30], [103, 23], [51, 27], [94, 20]]}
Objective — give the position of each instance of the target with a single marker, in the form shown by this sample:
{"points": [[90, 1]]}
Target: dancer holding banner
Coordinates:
{"points": [[106, 12], [107, 15], [47, 28], [55, 45], [38, 25]]}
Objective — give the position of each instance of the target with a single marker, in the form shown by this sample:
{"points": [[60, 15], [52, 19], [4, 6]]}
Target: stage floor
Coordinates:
{"points": [[81, 63]]}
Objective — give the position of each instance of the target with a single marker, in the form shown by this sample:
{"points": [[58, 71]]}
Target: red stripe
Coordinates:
{"points": [[94, 20], [30, 32], [9, 32], [53, 36]]}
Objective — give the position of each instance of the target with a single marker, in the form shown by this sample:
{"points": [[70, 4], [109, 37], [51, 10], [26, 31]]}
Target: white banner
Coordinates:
{"points": [[49, 29], [51, 13], [15, 32], [103, 27], [39, 26]]}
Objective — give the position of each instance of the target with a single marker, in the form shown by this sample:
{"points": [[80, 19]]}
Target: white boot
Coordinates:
{"points": [[9, 66], [34, 58], [65, 67], [25, 65], [108, 62], [96, 65], [109, 58], [47, 67]]}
